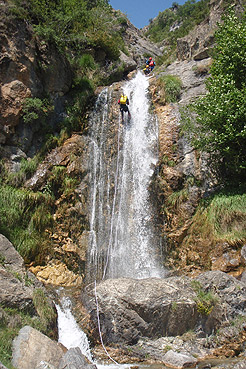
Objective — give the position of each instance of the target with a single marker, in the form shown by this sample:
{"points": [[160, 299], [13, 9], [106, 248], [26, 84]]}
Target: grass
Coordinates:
{"points": [[44, 309], [221, 218], [169, 87], [23, 216], [205, 301], [12, 320], [178, 197]]}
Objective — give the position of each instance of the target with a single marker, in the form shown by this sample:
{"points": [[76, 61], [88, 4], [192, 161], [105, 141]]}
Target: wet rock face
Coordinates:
{"points": [[153, 308]]}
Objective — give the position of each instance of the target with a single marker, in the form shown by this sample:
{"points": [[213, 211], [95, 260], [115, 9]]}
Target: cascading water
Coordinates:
{"points": [[69, 333], [123, 242]]}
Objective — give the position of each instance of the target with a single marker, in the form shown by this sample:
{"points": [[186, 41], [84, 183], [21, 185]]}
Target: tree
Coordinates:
{"points": [[220, 116]]}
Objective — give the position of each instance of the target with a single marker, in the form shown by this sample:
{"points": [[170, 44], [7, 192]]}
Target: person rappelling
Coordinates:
{"points": [[124, 102]]}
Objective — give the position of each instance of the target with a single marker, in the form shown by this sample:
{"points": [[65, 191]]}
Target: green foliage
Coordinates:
{"points": [[171, 86], [87, 61], [6, 337], [35, 108], [12, 320], [217, 121], [177, 21], [27, 169], [221, 218], [176, 198], [44, 309], [205, 301], [23, 214]]}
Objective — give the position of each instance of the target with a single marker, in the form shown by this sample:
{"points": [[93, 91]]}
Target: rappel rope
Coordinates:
{"points": [[99, 328], [108, 251], [114, 201]]}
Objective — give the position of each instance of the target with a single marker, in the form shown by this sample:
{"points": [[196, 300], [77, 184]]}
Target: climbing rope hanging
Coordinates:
{"points": [[99, 328]]}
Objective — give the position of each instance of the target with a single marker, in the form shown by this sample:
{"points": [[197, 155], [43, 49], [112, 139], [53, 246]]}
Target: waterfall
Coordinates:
{"points": [[69, 332], [123, 240]]}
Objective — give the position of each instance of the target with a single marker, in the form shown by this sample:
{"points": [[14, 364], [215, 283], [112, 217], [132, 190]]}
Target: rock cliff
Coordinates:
{"points": [[149, 317]]}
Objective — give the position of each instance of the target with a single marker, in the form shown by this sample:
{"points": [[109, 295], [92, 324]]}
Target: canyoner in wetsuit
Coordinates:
{"points": [[123, 102]]}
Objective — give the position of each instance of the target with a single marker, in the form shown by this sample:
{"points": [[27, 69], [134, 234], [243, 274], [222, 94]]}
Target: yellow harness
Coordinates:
{"points": [[123, 99]]}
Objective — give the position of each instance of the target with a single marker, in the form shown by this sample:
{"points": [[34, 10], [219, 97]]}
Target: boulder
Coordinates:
{"points": [[130, 309], [178, 360], [44, 365], [231, 291], [13, 291], [128, 63], [74, 359], [31, 347], [12, 258]]}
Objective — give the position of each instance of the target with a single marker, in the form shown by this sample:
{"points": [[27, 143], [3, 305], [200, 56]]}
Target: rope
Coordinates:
{"points": [[114, 201], [99, 328]]}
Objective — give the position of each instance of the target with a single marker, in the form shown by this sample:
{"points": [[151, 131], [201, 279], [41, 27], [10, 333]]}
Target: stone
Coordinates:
{"points": [[243, 254], [56, 273], [128, 63], [231, 291], [31, 347], [178, 360], [131, 309], [74, 359], [13, 292], [44, 365], [12, 258]]}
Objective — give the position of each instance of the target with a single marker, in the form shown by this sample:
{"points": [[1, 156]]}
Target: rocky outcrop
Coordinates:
{"points": [[136, 312], [56, 273], [138, 45], [32, 349], [27, 69], [13, 291], [198, 43]]}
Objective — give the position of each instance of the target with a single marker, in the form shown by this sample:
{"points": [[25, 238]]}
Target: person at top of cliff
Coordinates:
{"points": [[124, 102], [151, 63]]}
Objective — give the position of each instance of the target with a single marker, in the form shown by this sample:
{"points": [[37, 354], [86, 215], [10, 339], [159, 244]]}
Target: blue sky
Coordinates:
{"points": [[140, 11]]}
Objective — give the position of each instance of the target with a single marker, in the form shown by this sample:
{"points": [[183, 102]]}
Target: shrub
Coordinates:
{"points": [[216, 122], [87, 61], [205, 300], [34, 108], [171, 86]]}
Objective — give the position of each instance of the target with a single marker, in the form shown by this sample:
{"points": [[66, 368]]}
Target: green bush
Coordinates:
{"points": [[216, 122], [172, 87], [35, 108], [23, 214], [87, 61], [205, 300]]}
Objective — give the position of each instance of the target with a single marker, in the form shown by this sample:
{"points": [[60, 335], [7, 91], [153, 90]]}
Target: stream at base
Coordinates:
{"points": [[71, 335]]}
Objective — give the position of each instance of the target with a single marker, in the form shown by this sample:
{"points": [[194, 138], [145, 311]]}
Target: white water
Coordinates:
{"points": [[69, 332], [123, 240]]}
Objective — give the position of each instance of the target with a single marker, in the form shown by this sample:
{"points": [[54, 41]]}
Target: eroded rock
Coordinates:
{"points": [[31, 347], [131, 309], [74, 358], [179, 360]]}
